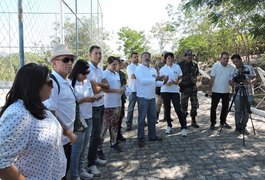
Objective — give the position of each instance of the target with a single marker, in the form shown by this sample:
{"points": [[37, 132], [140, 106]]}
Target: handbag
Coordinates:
{"points": [[79, 123]]}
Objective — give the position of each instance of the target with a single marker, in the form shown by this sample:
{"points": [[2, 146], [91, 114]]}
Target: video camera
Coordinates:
{"points": [[241, 76]]}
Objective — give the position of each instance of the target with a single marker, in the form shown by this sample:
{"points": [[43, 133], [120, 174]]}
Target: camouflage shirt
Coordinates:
{"points": [[123, 82], [190, 71]]}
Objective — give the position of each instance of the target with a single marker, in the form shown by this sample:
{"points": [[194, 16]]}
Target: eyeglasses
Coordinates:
{"points": [[49, 83], [67, 59], [85, 73]]}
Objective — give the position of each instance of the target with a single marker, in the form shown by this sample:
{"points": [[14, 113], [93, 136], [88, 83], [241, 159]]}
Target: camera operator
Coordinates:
{"points": [[243, 77], [219, 89]]}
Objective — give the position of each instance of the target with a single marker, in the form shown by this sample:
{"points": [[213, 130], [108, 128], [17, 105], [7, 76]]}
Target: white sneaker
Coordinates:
{"points": [[94, 170], [101, 162], [85, 175], [168, 130], [184, 132]]}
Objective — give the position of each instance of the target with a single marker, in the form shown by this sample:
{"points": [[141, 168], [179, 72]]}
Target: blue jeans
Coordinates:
{"points": [[97, 120], [132, 102], [241, 112], [76, 154], [84, 154], [146, 108]]}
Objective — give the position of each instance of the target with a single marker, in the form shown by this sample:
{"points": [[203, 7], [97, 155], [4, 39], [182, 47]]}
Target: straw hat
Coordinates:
{"points": [[59, 50]]}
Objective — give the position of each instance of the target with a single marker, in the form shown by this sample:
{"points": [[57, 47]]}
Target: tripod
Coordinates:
{"points": [[244, 106]]}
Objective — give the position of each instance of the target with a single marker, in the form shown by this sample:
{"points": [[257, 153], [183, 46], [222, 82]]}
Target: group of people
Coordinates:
{"points": [[241, 78], [55, 122]]}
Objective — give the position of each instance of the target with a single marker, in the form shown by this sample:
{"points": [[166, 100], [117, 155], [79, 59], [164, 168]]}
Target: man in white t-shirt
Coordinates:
{"points": [[62, 100], [131, 84], [219, 89], [98, 82], [146, 82]]}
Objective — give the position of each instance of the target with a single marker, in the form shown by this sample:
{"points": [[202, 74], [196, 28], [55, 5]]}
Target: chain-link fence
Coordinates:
{"points": [[45, 23]]}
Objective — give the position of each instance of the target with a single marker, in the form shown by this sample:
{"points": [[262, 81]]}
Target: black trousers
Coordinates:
{"points": [[121, 117], [67, 151], [175, 98], [225, 103], [97, 120]]}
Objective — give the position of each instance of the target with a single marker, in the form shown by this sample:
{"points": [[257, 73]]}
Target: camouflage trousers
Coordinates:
{"points": [[185, 101], [111, 123]]}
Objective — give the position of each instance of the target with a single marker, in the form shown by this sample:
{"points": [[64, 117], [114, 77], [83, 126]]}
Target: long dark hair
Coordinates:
{"points": [[27, 84], [80, 67]]}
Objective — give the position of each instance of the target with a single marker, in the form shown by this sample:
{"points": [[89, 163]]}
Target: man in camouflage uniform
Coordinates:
{"points": [[188, 86], [121, 66]]}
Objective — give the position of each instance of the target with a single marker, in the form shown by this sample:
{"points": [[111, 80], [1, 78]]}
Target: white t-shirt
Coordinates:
{"points": [[146, 82], [33, 146], [63, 103], [96, 74], [112, 99], [173, 73], [222, 76], [131, 82], [82, 91]]}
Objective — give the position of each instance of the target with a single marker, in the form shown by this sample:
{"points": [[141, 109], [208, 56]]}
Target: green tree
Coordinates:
{"points": [[86, 36], [10, 64], [215, 26], [164, 33], [131, 40]]}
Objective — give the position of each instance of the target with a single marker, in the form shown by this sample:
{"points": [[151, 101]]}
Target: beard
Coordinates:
{"points": [[146, 62]]}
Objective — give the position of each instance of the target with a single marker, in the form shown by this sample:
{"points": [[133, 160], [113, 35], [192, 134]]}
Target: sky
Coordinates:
{"points": [[140, 15]]}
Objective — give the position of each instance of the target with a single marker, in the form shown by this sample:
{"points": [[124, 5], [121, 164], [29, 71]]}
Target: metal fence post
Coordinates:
{"points": [[76, 29], [21, 38]]}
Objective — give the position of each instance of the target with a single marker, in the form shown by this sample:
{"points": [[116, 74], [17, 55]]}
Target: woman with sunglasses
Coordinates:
{"points": [[85, 96], [30, 135]]}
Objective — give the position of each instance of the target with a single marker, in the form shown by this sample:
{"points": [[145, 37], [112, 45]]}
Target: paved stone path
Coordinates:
{"points": [[203, 154]]}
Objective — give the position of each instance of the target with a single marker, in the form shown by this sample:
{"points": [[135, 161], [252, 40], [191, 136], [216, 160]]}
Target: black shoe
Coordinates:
{"points": [[225, 125], [141, 143], [129, 128], [101, 155], [194, 124], [212, 127], [116, 147], [246, 132], [121, 138], [156, 139]]}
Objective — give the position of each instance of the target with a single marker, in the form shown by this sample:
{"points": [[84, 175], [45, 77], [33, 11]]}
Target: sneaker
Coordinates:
{"points": [[85, 175], [75, 178], [101, 155], [94, 170], [225, 125], [184, 132], [168, 130], [116, 147], [101, 162]]}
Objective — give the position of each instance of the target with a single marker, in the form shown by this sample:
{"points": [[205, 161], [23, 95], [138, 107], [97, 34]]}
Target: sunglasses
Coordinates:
{"points": [[67, 59], [85, 73], [49, 83]]}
